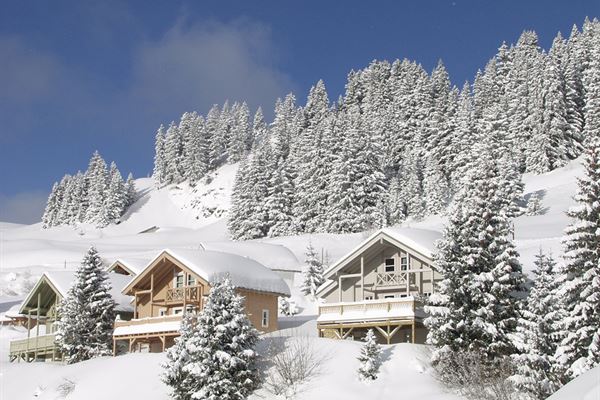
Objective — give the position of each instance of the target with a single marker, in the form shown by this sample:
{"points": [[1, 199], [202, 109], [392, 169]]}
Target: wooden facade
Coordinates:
{"points": [[39, 308], [167, 289], [381, 285]]}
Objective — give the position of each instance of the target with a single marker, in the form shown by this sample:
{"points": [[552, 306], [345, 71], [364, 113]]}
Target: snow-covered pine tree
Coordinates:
{"points": [[52, 204], [476, 305], [220, 135], [369, 358], [115, 202], [195, 154], [313, 273], [259, 128], [96, 177], [591, 82], [580, 276], [160, 158], [411, 180], [130, 190], [87, 313], [174, 372], [174, 145], [358, 183], [534, 205], [395, 207], [536, 338], [435, 188], [240, 140], [221, 361]]}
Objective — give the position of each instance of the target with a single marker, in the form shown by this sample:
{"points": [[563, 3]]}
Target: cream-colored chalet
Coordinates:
{"points": [[40, 311], [178, 281], [380, 284]]}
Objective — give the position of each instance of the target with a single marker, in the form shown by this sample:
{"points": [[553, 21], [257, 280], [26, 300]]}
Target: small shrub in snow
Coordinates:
{"points": [[476, 377], [87, 313], [216, 359], [65, 388], [370, 358], [294, 361], [287, 307]]}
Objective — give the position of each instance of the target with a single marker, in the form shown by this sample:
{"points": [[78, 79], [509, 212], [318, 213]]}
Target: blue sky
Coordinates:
{"points": [[76, 76]]}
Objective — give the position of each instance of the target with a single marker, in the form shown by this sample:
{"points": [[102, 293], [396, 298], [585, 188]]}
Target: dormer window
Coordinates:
{"points": [[191, 281], [390, 265]]}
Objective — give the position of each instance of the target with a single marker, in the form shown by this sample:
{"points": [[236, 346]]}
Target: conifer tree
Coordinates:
{"points": [[87, 313], [313, 274], [130, 190], [116, 197], [174, 372], [174, 145], [536, 338], [580, 276], [220, 362], [259, 128], [160, 159], [97, 184], [476, 306], [52, 204], [369, 358]]}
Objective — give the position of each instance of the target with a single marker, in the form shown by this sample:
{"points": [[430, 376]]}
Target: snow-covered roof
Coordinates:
{"points": [[62, 281], [244, 272], [133, 265], [273, 256], [420, 241]]}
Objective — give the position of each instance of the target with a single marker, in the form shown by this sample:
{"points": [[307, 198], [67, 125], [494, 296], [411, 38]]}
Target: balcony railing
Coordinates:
{"points": [[147, 326], [394, 278], [33, 344], [371, 310], [191, 294]]}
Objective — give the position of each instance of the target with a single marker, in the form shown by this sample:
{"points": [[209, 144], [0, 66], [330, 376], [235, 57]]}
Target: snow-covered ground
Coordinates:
{"points": [[404, 371], [181, 216]]}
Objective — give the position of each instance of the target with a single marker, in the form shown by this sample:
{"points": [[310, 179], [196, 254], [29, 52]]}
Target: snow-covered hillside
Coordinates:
{"points": [[180, 216]]}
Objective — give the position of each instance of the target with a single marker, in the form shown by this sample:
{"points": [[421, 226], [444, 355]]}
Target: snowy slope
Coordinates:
{"points": [[404, 370]]}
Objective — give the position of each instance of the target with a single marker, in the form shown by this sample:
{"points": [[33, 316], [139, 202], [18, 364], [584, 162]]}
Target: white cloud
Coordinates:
{"points": [[24, 207], [193, 67]]}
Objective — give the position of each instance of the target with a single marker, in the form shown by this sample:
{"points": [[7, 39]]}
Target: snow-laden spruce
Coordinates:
{"points": [[369, 358], [580, 277], [476, 305], [536, 338], [87, 314], [99, 196], [214, 359], [313, 272], [174, 369]]}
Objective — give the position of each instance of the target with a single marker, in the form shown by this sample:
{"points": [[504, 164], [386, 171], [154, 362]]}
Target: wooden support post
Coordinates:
{"points": [[162, 339], [185, 281], [413, 332], [152, 294], [432, 281], [114, 347], [135, 313], [388, 334], [362, 278]]}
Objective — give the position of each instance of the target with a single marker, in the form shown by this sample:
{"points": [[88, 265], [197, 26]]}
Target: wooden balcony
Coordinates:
{"points": [[187, 294], [370, 311], [33, 347]]}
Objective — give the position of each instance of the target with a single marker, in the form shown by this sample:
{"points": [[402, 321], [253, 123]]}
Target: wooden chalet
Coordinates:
{"points": [[40, 311], [178, 281], [380, 284], [128, 266]]}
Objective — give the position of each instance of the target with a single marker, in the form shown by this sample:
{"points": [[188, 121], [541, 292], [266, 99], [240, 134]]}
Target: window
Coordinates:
{"points": [[404, 295], [189, 309], [191, 281], [389, 265], [368, 297], [178, 280], [162, 312], [177, 310], [389, 296], [403, 263], [426, 294], [265, 318]]}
